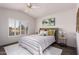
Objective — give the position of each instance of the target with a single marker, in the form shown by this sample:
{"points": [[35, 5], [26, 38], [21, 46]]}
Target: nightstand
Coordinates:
{"points": [[62, 40]]}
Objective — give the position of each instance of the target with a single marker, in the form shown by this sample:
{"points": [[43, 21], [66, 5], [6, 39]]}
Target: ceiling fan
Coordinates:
{"points": [[29, 7]]}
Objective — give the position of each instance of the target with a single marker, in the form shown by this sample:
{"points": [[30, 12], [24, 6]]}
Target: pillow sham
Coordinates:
{"points": [[51, 32]]}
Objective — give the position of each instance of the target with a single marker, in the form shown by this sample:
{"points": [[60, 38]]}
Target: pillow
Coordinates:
{"points": [[43, 33], [51, 32]]}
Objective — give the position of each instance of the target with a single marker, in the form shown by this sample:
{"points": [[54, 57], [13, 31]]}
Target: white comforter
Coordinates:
{"points": [[36, 44]]}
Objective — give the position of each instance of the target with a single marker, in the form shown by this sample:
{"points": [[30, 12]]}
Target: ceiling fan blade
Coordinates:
{"points": [[27, 9]]}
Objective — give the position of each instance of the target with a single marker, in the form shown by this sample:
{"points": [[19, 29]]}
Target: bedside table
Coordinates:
{"points": [[62, 41]]}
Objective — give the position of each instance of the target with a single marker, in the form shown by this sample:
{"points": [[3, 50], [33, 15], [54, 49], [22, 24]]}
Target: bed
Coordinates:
{"points": [[36, 44]]}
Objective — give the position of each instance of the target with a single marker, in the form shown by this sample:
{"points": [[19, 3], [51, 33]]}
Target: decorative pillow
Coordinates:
{"points": [[43, 33], [51, 32]]}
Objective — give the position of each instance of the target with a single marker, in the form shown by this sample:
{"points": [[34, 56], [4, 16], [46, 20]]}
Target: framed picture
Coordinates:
{"points": [[49, 22]]}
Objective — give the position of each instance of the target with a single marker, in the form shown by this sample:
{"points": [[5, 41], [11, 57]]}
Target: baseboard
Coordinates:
{"points": [[8, 44]]}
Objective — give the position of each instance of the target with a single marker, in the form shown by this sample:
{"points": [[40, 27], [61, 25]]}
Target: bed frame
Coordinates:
{"points": [[56, 32]]}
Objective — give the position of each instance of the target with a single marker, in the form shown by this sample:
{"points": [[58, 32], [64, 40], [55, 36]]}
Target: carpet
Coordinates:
{"points": [[15, 49]]}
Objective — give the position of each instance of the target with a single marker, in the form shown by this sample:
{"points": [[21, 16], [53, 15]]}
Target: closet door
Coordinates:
{"points": [[77, 27], [77, 30]]}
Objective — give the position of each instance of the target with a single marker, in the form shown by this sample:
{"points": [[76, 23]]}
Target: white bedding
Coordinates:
{"points": [[36, 44]]}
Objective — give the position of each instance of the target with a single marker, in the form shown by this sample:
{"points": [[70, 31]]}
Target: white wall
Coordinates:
{"points": [[5, 14], [65, 20]]}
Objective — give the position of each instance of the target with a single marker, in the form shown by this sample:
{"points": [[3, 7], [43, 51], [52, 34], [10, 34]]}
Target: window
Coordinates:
{"points": [[11, 27], [22, 29], [17, 28], [17, 24]]}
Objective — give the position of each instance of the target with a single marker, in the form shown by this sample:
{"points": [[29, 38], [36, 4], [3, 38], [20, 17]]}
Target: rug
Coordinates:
{"points": [[15, 49]]}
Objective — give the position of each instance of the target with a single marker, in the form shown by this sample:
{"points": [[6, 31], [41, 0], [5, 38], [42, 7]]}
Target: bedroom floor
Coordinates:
{"points": [[66, 50]]}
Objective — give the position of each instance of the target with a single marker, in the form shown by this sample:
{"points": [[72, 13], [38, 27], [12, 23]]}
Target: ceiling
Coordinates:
{"points": [[43, 9]]}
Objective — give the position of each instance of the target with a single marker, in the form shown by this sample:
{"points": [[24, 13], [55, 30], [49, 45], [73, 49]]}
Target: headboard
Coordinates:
{"points": [[56, 31]]}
